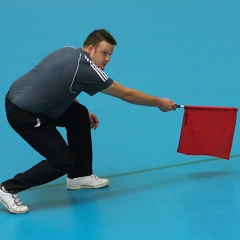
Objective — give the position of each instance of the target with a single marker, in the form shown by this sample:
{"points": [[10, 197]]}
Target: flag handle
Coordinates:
{"points": [[179, 106]]}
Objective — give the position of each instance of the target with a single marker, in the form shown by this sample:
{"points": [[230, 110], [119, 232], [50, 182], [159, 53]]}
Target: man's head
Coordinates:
{"points": [[99, 45]]}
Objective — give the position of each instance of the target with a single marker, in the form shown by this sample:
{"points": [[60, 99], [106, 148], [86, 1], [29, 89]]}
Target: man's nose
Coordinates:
{"points": [[107, 58]]}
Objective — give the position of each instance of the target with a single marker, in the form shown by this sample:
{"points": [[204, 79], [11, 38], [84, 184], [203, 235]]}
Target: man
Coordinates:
{"points": [[45, 97]]}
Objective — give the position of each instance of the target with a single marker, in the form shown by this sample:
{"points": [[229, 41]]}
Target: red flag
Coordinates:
{"points": [[207, 131]]}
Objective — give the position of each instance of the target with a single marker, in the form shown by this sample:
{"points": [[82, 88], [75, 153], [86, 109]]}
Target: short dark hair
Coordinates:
{"points": [[95, 37]]}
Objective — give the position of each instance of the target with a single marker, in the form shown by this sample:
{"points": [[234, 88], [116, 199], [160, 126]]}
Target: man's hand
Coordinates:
{"points": [[93, 121], [166, 105]]}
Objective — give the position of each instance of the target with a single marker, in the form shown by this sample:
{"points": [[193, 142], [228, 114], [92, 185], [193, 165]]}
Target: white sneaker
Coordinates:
{"points": [[12, 202], [91, 181]]}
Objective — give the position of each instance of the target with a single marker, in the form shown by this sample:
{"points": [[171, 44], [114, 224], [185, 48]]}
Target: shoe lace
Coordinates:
{"points": [[17, 199], [94, 176]]}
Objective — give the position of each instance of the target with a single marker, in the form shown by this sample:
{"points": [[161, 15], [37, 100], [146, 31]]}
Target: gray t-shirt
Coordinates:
{"points": [[51, 86]]}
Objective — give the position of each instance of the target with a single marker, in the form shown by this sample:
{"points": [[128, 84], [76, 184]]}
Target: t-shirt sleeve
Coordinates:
{"points": [[91, 79]]}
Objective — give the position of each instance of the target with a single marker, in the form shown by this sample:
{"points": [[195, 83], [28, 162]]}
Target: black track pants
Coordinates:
{"points": [[73, 158]]}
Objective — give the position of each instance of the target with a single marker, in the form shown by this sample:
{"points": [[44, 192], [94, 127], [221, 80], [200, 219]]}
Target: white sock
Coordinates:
{"points": [[4, 189]]}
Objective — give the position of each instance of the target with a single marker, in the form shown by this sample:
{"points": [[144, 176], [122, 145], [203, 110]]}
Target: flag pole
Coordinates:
{"points": [[179, 106]]}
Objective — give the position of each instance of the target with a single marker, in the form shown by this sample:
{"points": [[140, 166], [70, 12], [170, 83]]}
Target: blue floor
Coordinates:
{"points": [[184, 50]]}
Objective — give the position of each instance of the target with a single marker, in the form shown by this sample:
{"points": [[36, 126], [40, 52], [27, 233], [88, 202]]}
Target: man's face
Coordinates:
{"points": [[100, 55]]}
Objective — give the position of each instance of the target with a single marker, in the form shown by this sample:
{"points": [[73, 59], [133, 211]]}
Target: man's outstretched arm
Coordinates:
{"points": [[137, 97]]}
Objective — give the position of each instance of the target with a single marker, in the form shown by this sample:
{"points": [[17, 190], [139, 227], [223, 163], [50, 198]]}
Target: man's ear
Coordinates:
{"points": [[89, 49]]}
